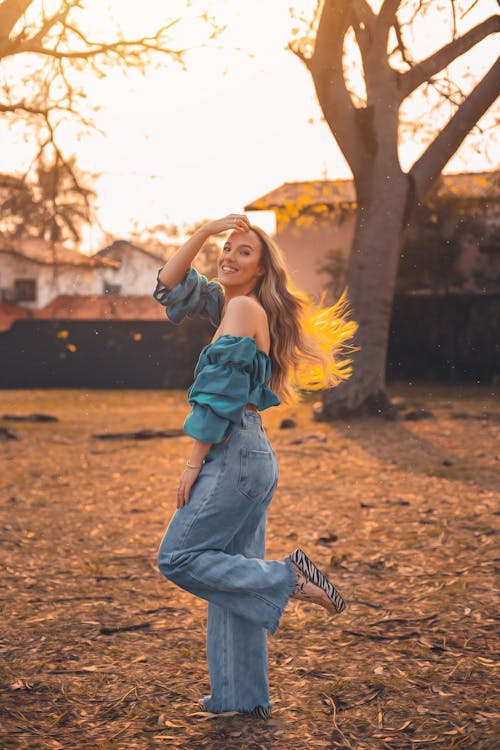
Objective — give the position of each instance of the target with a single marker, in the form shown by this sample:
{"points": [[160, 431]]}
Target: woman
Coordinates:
{"points": [[215, 543]]}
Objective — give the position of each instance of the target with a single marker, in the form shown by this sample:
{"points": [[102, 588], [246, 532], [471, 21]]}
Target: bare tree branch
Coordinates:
{"points": [[298, 53], [57, 107], [364, 13], [401, 45], [326, 65], [131, 47], [59, 17], [448, 90], [10, 13], [364, 19], [22, 107], [387, 13], [386, 18], [473, 5], [64, 49], [454, 17], [429, 166], [428, 68]]}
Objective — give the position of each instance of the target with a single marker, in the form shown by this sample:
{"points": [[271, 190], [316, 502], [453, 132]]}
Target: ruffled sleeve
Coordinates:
{"points": [[192, 296], [230, 374]]}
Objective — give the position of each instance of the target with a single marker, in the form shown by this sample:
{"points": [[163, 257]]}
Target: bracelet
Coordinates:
{"points": [[191, 466]]}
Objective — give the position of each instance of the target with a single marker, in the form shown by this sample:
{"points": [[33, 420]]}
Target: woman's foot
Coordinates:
{"points": [[261, 712], [312, 585]]}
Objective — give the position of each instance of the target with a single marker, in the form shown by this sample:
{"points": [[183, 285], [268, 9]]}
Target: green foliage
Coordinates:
{"points": [[441, 228], [334, 266], [434, 242]]}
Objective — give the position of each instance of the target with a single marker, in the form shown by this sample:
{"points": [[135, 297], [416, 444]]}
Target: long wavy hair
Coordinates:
{"points": [[306, 341]]}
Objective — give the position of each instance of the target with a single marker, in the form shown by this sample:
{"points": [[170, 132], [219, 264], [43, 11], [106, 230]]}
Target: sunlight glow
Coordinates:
{"points": [[181, 145]]}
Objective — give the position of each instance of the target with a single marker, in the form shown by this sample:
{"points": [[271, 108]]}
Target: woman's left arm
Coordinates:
{"points": [[190, 473]]}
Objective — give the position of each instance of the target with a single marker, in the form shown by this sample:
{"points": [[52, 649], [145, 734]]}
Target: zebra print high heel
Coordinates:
{"points": [[261, 712], [310, 573]]}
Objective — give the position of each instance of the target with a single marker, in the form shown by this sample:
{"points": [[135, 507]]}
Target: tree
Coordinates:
{"points": [[367, 131], [54, 51], [434, 256], [433, 244], [164, 241], [49, 206]]}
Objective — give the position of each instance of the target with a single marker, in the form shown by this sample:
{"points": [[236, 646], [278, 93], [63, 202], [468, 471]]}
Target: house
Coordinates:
{"points": [[53, 283], [315, 223], [137, 268], [33, 272], [46, 282], [313, 219]]}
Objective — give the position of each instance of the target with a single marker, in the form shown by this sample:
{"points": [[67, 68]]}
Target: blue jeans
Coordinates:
{"points": [[214, 548]]}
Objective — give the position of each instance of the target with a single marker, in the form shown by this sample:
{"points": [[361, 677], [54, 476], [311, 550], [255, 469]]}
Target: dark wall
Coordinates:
{"points": [[432, 337], [100, 354], [455, 337]]}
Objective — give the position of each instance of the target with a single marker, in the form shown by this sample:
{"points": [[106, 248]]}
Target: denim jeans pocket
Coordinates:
{"points": [[257, 473]]}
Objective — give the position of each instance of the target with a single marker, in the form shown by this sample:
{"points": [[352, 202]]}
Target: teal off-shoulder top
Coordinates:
{"points": [[230, 373]]}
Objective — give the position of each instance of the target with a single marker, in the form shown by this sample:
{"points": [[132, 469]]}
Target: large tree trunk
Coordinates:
{"points": [[382, 190], [371, 278], [368, 138]]}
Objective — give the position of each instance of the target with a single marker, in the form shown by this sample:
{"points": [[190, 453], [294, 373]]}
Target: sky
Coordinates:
{"points": [[180, 145]]}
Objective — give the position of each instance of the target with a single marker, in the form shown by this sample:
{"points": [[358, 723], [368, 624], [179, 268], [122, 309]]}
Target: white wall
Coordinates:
{"points": [[137, 273], [50, 280], [136, 276]]}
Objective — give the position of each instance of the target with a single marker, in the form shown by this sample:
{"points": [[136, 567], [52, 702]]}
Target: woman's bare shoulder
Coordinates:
{"points": [[245, 304], [247, 307], [245, 316]]}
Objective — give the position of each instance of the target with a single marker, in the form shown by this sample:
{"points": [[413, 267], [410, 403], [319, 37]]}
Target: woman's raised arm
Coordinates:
{"points": [[175, 269]]}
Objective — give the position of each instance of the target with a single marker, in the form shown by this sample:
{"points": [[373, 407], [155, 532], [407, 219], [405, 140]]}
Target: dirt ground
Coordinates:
{"points": [[99, 651]]}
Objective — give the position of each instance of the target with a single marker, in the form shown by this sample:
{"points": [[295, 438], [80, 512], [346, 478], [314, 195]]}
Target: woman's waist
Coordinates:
{"points": [[250, 420]]}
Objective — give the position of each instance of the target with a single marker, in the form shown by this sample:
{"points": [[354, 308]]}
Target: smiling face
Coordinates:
{"points": [[239, 264]]}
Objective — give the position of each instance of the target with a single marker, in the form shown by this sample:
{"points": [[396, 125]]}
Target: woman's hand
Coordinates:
{"points": [[188, 478], [232, 222], [175, 269]]}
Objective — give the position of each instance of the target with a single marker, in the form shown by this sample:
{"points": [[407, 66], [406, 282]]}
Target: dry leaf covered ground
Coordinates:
{"points": [[99, 651]]}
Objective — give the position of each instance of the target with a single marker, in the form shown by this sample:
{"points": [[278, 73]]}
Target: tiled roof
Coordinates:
{"points": [[162, 253], [46, 253], [310, 193], [9, 312], [478, 185], [96, 307]]}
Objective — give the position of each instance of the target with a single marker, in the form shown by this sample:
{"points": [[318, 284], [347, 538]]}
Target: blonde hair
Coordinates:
{"points": [[306, 341]]}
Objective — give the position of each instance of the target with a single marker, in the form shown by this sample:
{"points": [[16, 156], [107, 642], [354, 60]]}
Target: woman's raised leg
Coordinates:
{"points": [[194, 550]]}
